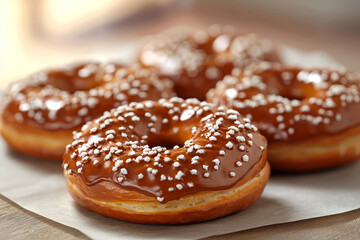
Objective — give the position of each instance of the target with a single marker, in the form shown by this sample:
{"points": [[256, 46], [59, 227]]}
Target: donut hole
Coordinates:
{"points": [[71, 85], [82, 78], [293, 96], [169, 142], [294, 91]]}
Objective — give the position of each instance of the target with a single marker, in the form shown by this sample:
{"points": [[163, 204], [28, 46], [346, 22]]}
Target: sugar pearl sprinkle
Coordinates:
{"points": [[296, 115], [129, 156], [38, 100]]}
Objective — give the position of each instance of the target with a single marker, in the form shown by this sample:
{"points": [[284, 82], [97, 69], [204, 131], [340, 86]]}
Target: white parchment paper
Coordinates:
{"points": [[39, 186]]}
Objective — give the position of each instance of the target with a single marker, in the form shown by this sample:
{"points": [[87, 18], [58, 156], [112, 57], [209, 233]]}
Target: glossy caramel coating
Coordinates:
{"points": [[131, 147], [291, 105], [57, 102], [196, 60]]}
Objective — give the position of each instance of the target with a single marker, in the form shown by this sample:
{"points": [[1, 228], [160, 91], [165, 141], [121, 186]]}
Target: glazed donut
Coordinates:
{"points": [[39, 114], [195, 61], [167, 162], [307, 115]]}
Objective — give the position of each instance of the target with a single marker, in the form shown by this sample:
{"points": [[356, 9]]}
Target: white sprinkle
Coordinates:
{"points": [[176, 164], [179, 186], [240, 139], [108, 156], [181, 157], [291, 131], [232, 174], [19, 117], [279, 118], [110, 132], [140, 176], [238, 163], [229, 145], [193, 171], [248, 125], [93, 130], [110, 136], [206, 174], [200, 151], [194, 160], [160, 199], [124, 171], [338, 117], [179, 175], [199, 112], [132, 153], [190, 184], [245, 158], [222, 152], [212, 138], [305, 108], [149, 104], [272, 110], [135, 119], [232, 117], [83, 111], [216, 161]]}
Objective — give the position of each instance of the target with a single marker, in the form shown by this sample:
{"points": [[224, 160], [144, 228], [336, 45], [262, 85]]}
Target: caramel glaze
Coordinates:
{"points": [[289, 103], [67, 98], [195, 61], [217, 148]]}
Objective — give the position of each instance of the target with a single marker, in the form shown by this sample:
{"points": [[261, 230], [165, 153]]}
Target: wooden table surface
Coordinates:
{"points": [[18, 223]]}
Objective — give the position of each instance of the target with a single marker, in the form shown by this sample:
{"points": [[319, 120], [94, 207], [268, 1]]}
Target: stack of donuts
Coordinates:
{"points": [[189, 131]]}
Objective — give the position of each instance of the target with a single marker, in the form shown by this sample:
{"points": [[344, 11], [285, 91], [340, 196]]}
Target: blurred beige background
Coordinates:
{"points": [[37, 34]]}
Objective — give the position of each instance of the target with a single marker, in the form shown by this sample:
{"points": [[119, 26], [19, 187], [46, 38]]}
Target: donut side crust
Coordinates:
{"points": [[138, 208], [39, 143], [317, 153]]}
